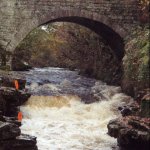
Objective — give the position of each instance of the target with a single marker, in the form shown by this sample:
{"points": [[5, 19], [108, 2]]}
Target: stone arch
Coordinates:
{"points": [[113, 39], [102, 25]]}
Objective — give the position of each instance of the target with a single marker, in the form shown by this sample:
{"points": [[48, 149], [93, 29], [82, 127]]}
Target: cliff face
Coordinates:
{"points": [[136, 62], [132, 130]]}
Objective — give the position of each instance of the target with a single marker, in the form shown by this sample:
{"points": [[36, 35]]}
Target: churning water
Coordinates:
{"points": [[56, 115]]}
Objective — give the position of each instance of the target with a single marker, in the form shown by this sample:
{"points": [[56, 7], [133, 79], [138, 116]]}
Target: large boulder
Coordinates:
{"points": [[11, 95], [131, 138], [8, 131], [2, 104], [18, 65], [22, 142], [131, 132], [1, 116], [13, 120], [114, 127], [10, 99]]}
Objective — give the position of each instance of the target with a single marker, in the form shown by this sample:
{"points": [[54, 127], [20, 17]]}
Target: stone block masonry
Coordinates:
{"points": [[19, 17]]}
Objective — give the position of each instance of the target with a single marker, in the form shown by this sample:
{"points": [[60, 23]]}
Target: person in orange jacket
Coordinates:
{"points": [[16, 84], [20, 116], [19, 113]]}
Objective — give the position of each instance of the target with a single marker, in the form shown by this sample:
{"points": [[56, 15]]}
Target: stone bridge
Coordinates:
{"points": [[112, 19]]}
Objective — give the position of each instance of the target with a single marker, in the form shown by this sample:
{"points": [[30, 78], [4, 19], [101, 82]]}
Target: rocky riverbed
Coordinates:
{"points": [[11, 137], [131, 128]]}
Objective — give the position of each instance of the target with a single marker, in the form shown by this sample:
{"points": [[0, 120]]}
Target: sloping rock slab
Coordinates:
{"points": [[22, 142], [8, 131], [13, 96], [10, 99], [131, 132], [2, 104], [12, 120]]}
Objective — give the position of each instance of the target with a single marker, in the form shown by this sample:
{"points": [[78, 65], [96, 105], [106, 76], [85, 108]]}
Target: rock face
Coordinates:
{"points": [[133, 129], [10, 99], [131, 132], [8, 131], [22, 142], [10, 134], [18, 65], [9, 82], [136, 73]]}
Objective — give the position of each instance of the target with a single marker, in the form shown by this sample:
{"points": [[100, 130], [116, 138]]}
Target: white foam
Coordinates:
{"points": [[34, 86], [66, 83], [65, 123], [52, 87]]}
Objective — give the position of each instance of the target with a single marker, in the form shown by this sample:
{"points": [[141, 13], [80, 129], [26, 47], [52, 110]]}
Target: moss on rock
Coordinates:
{"points": [[136, 62]]}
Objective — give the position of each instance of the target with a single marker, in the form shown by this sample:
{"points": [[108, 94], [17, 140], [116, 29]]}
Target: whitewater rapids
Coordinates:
{"points": [[64, 122]]}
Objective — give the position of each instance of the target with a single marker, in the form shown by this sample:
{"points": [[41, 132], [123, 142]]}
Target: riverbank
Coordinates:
{"points": [[58, 106], [132, 130], [133, 115], [11, 137], [136, 62]]}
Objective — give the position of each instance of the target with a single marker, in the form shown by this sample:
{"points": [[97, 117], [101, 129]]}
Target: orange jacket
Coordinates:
{"points": [[16, 84], [20, 116]]}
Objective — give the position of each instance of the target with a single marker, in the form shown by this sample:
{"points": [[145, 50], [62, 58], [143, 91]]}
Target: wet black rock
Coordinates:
{"points": [[126, 112], [22, 142], [8, 130], [131, 109], [114, 126], [131, 138], [18, 65], [14, 96], [10, 134], [131, 132], [9, 82], [13, 120], [10, 99], [2, 104], [1, 116]]}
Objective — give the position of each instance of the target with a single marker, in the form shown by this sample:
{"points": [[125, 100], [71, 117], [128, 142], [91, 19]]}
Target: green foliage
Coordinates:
{"points": [[145, 60], [136, 61], [37, 48]]}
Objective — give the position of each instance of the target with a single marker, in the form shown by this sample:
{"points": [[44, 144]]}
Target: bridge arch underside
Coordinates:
{"points": [[112, 34], [112, 38]]}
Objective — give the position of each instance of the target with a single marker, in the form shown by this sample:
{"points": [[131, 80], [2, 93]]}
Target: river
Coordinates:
{"points": [[57, 115]]}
